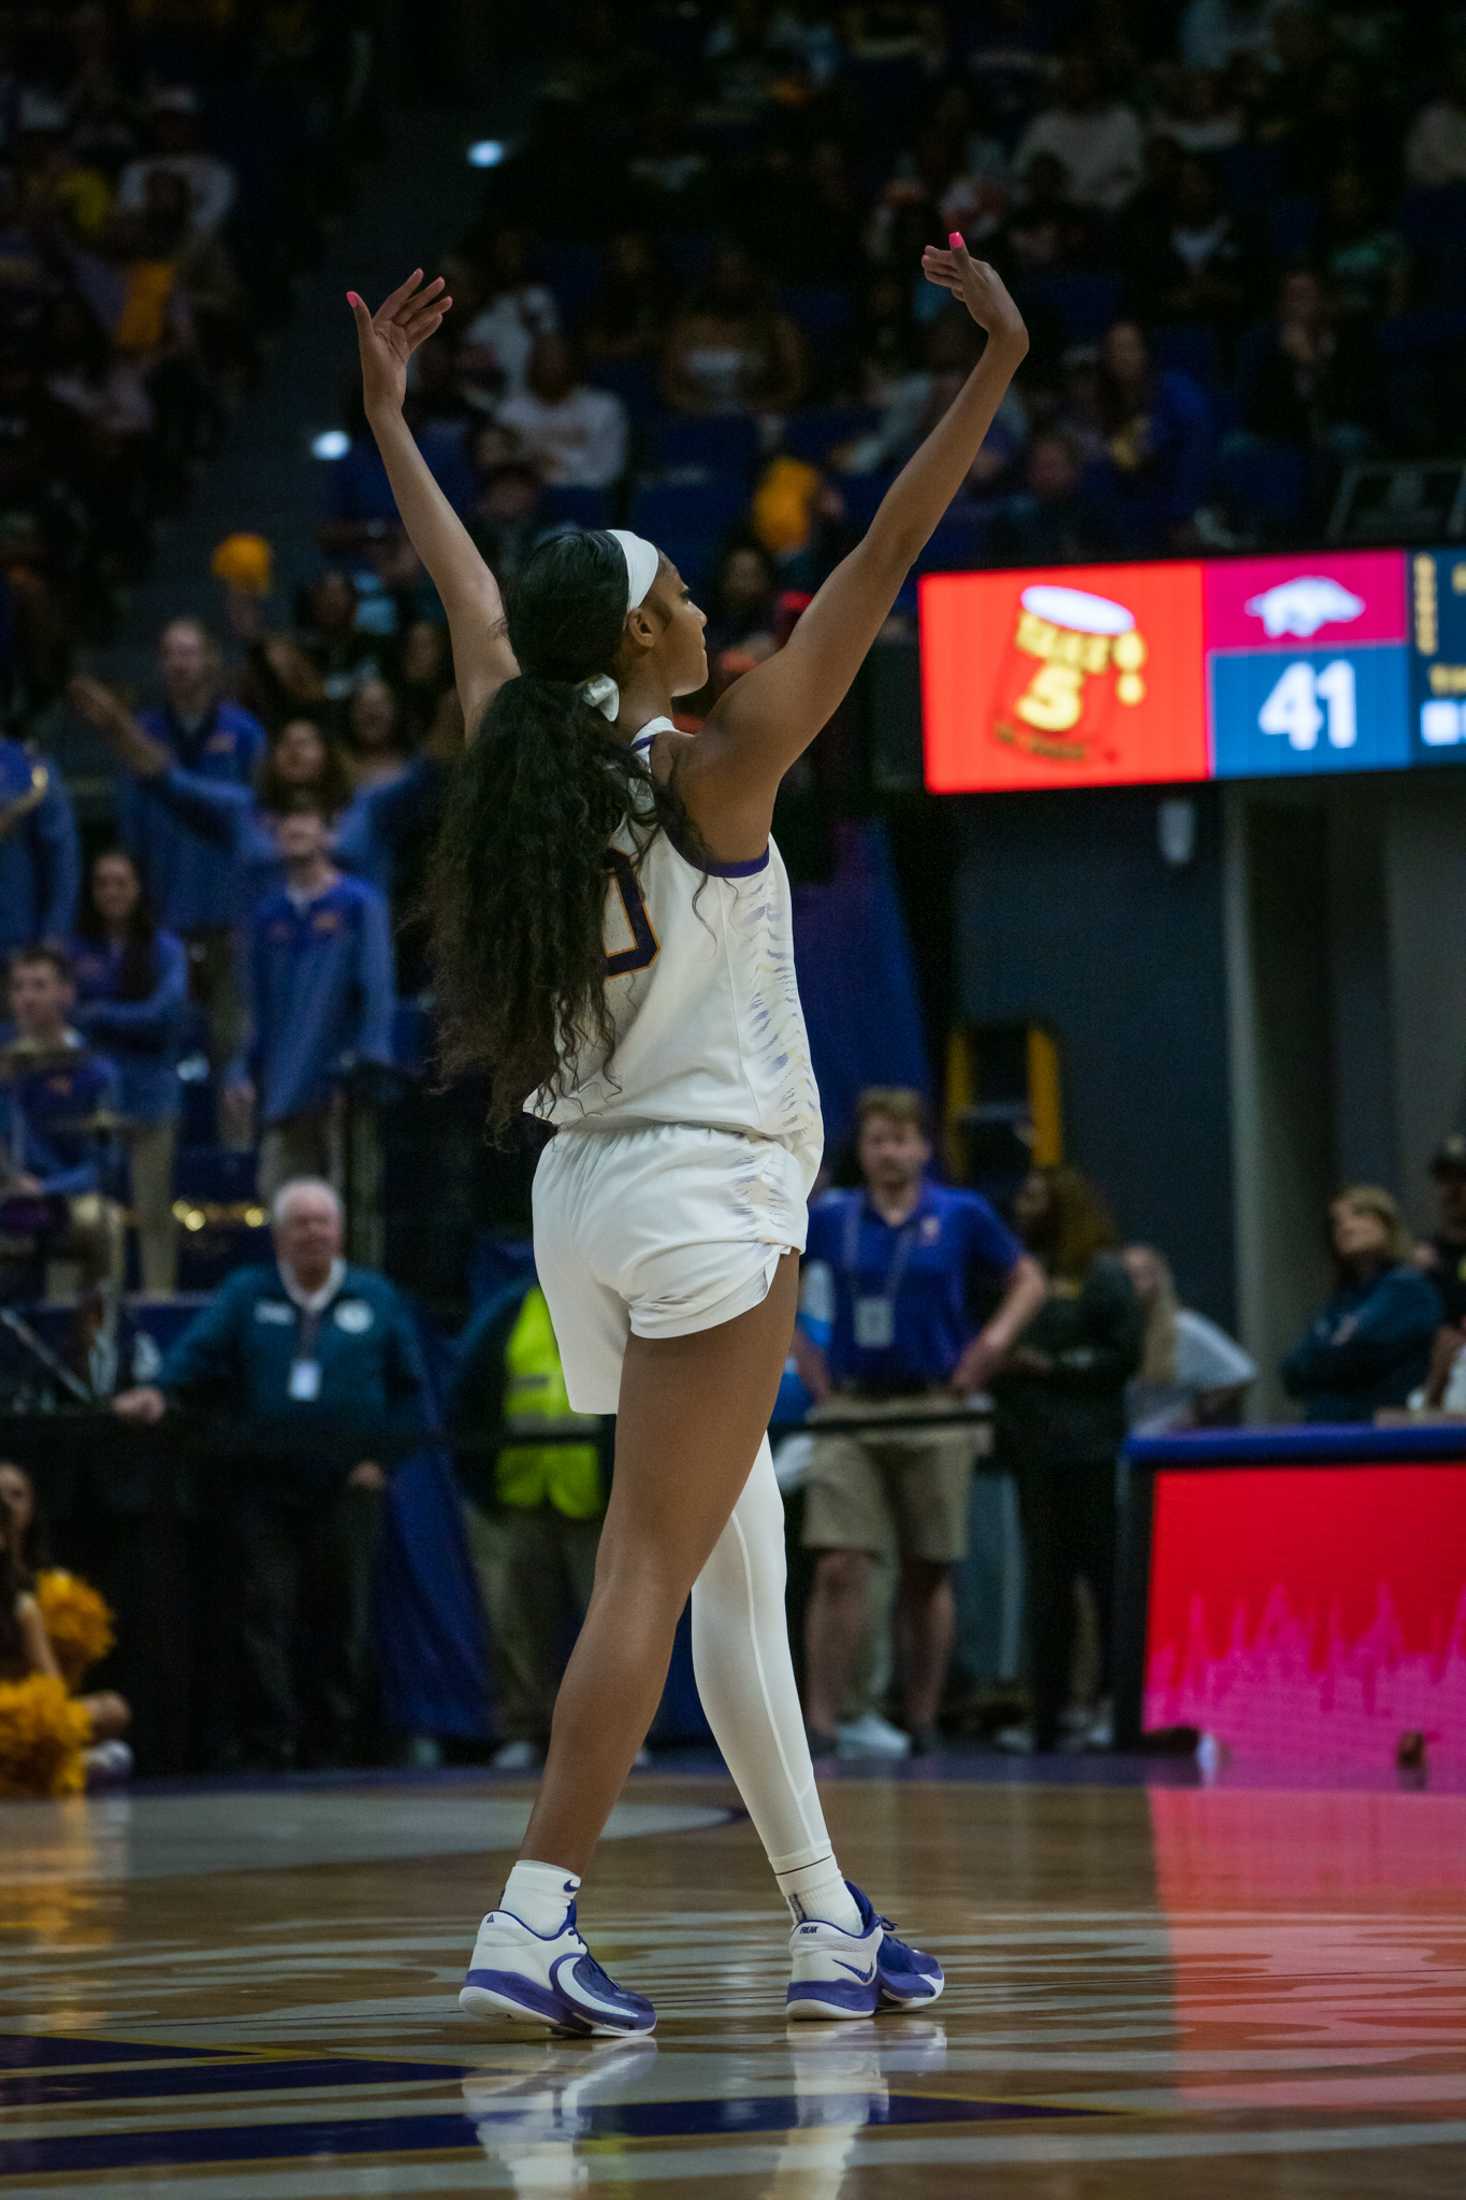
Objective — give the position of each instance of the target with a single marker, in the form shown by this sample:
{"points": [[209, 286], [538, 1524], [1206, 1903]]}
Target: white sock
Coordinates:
{"points": [[539, 1895], [818, 1891]]}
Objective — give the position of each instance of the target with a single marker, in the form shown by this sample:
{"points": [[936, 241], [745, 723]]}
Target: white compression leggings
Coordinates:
{"points": [[745, 1674]]}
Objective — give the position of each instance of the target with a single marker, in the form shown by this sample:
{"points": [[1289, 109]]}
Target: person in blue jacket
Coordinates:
{"points": [[39, 864], [1370, 1344], [368, 823], [321, 999], [132, 1003], [56, 1149], [196, 887], [311, 1371]]}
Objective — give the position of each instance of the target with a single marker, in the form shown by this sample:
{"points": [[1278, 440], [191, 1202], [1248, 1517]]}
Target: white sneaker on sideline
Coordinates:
{"points": [[870, 1736], [547, 1978], [841, 1974], [517, 1757]]}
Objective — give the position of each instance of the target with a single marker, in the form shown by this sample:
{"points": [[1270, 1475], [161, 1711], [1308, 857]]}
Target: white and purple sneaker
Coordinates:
{"points": [[547, 1978], [840, 1974]]}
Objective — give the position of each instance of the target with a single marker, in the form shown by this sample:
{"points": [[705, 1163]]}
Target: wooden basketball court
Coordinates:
{"points": [[1155, 1990]]}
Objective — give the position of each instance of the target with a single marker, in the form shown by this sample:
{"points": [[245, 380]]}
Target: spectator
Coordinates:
{"points": [[1213, 32], [312, 1367], [1052, 521], [1362, 257], [1157, 432], [1442, 1256], [508, 520], [1045, 232], [533, 1511], [744, 598], [1060, 1407], [1435, 150], [196, 889], [39, 863], [1191, 1373], [576, 435], [1192, 264], [320, 990], [132, 996], [1369, 1346], [1098, 138], [55, 1107], [378, 750], [423, 675], [211, 182], [900, 1267], [731, 349], [920, 401], [1310, 381], [629, 314], [499, 340], [1198, 116]]}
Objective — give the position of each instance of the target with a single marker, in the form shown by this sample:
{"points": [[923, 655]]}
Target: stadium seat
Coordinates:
{"points": [[685, 446], [819, 309], [688, 520], [1187, 347], [573, 270], [1292, 221], [1262, 484], [634, 381], [1083, 305], [580, 507], [815, 430]]}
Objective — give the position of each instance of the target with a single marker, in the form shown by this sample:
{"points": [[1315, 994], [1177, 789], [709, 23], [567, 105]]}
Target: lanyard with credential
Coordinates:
{"points": [[875, 1318], [305, 1368]]}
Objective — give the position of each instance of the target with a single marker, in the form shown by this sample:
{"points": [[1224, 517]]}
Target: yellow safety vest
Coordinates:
{"points": [[567, 1476]]}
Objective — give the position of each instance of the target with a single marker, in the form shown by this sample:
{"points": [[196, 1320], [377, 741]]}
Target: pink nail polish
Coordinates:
{"points": [[955, 237]]}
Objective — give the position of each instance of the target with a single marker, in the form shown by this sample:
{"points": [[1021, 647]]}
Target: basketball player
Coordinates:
{"points": [[614, 952]]}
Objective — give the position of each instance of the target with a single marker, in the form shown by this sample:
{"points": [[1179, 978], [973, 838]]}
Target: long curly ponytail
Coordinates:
{"points": [[517, 888]]}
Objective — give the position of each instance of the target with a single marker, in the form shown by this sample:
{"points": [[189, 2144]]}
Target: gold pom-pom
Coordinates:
{"points": [[245, 562], [42, 1736], [77, 1620]]}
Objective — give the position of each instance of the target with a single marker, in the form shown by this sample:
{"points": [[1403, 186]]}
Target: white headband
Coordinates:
{"points": [[642, 562]]}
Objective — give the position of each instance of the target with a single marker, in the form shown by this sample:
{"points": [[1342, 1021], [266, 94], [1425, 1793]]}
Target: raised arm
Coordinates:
{"points": [[482, 658], [730, 774]]}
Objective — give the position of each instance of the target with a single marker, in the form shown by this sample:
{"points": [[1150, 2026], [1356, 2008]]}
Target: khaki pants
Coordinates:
{"points": [[535, 1571], [89, 1255], [151, 1148], [302, 1145]]}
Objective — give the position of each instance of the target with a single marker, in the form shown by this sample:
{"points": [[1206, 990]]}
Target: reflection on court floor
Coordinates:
{"points": [[1154, 1990]]}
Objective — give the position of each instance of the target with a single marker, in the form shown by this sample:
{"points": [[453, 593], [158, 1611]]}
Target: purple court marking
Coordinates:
{"points": [[79, 2153]]}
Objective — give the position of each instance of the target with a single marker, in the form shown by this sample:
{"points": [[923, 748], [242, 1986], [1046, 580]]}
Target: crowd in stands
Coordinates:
{"points": [[165, 175], [1234, 228]]}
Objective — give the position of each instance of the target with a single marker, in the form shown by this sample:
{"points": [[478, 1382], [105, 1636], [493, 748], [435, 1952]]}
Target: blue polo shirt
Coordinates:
{"points": [[321, 993], [193, 885], [931, 1270]]}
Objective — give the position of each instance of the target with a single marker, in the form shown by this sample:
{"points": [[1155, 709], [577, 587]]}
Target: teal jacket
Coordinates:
{"points": [[235, 1361]]}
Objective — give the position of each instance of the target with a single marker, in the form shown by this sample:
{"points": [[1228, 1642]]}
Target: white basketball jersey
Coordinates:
{"points": [[701, 985]]}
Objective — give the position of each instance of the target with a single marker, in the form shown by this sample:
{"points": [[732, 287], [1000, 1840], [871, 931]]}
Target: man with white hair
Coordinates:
{"points": [[310, 1370]]}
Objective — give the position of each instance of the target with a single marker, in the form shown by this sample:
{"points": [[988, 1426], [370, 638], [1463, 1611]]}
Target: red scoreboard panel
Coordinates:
{"points": [[1085, 677]]}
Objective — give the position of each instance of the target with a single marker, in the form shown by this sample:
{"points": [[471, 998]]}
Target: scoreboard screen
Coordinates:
{"points": [[1216, 668]]}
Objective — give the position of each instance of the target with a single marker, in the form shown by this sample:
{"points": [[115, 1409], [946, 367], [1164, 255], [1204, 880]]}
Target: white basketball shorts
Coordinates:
{"points": [[659, 1231]]}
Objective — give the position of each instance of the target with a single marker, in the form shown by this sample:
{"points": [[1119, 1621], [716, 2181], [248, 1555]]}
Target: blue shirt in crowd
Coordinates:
{"points": [[142, 1037], [193, 885], [365, 836], [321, 993], [905, 1300], [40, 869], [1369, 1347], [241, 1358], [43, 1114]]}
